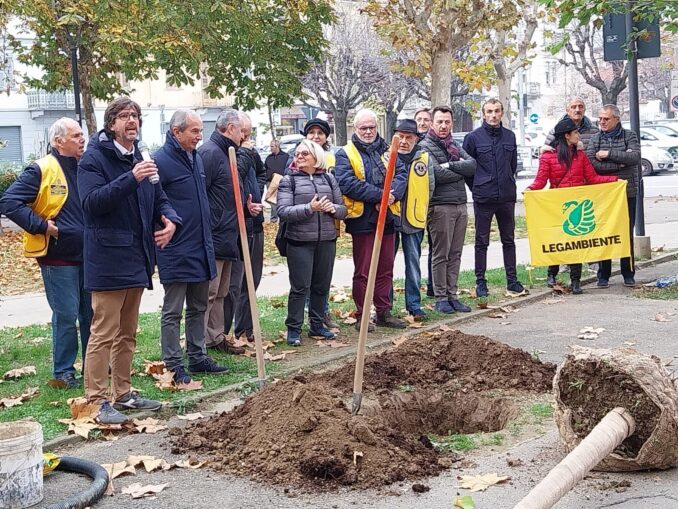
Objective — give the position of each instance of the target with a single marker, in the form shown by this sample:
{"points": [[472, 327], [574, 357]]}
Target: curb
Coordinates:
{"points": [[66, 440]]}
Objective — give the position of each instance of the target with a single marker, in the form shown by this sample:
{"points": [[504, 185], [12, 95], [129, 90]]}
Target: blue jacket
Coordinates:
{"points": [[496, 155], [367, 192], [16, 201], [223, 217], [189, 257], [121, 216]]}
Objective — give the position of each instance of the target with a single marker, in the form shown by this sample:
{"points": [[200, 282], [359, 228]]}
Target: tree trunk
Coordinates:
{"points": [[391, 121], [441, 78], [504, 92], [87, 102], [270, 119], [340, 131], [609, 96]]}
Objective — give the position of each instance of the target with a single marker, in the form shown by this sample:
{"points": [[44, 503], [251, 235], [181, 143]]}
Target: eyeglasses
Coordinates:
{"points": [[605, 119], [367, 128], [126, 116], [302, 153]]}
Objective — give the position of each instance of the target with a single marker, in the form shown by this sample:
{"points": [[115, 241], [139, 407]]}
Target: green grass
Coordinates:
{"points": [[466, 442], [24, 346], [541, 410], [666, 293]]}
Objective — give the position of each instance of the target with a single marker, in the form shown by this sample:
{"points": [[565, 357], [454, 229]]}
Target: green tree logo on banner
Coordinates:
{"points": [[580, 218]]}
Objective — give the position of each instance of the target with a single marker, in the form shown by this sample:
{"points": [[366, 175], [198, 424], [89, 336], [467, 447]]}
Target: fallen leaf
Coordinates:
{"points": [[289, 352], [497, 315], [148, 425], [81, 408], [658, 249], [482, 305], [118, 469], [661, 317], [561, 289], [191, 417], [550, 302], [269, 357], [189, 463], [340, 297], [26, 395], [464, 502], [57, 384], [135, 461], [349, 320], [445, 328], [154, 367], [80, 427], [399, 341], [472, 293], [332, 344], [481, 482], [136, 490], [19, 372]]}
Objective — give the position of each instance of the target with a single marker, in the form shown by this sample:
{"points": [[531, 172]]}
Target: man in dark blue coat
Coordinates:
{"points": [[494, 193], [186, 265], [223, 220], [44, 202], [125, 215]]}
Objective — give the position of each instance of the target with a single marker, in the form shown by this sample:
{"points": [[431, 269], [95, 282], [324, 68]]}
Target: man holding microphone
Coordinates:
{"points": [[124, 215]]}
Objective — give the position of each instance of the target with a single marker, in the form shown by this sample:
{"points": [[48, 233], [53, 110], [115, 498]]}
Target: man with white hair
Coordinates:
{"points": [[360, 169], [44, 202]]}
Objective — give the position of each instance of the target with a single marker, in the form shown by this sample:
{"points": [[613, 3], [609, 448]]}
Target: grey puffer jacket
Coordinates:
{"points": [[623, 159], [450, 185], [304, 225]]}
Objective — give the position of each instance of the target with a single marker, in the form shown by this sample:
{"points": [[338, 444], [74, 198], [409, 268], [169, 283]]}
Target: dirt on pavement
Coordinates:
{"points": [[300, 431]]}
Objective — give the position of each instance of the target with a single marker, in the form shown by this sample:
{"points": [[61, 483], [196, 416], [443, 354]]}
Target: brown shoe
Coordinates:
{"points": [[329, 321], [388, 320], [370, 326], [227, 347]]}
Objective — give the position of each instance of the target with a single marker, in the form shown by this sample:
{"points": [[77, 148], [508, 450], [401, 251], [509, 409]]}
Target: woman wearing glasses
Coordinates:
{"points": [[309, 201]]}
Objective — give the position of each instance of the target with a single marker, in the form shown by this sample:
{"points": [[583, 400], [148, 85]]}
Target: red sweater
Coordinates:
{"points": [[581, 172]]}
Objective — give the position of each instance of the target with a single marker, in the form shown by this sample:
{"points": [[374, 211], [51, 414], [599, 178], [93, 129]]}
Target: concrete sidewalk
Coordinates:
{"points": [[22, 310]]}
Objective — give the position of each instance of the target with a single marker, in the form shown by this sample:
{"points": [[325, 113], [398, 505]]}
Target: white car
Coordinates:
{"points": [[652, 137], [655, 159]]}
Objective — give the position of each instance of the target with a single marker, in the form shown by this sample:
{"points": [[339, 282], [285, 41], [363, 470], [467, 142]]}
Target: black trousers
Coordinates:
{"points": [[310, 266], [505, 214], [627, 268], [575, 271]]}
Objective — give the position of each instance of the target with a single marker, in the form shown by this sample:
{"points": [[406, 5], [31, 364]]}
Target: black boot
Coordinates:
{"points": [[550, 280], [576, 287]]}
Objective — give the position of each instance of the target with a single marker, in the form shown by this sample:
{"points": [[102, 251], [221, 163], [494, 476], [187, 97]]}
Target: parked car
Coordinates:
{"points": [[670, 130], [290, 142], [650, 136], [655, 160]]}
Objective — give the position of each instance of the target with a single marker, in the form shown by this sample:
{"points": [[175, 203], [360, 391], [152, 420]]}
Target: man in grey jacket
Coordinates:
{"points": [[575, 110], [447, 218], [616, 151]]}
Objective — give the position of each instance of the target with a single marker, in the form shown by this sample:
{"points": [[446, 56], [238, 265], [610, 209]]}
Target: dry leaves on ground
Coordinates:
{"points": [[413, 322], [464, 502], [191, 417], [20, 372], [399, 341], [165, 379], [481, 482], [561, 289], [590, 333], [550, 302], [148, 425], [662, 317], [18, 274], [136, 490], [25, 396], [340, 296], [332, 344]]}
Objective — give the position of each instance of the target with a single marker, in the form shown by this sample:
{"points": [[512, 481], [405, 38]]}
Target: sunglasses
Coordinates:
{"points": [[302, 153]]}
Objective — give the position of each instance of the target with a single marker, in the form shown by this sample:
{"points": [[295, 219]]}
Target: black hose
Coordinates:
{"points": [[95, 490]]}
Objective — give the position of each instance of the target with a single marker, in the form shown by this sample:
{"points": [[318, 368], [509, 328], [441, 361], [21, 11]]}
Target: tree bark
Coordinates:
{"points": [[441, 77], [270, 119], [340, 130], [391, 121], [504, 92], [86, 92]]}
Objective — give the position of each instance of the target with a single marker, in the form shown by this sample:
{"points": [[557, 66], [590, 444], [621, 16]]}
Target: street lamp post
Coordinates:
{"points": [[73, 29]]}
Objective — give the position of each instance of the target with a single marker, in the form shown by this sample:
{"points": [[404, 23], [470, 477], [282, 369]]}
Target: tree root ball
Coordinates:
{"points": [[591, 382]]}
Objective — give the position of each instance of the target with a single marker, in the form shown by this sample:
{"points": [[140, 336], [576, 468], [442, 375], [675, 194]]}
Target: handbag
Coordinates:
{"points": [[280, 236]]}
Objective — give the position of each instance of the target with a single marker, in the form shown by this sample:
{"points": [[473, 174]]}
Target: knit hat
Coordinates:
{"points": [[316, 122], [565, 126], [406, 125]]}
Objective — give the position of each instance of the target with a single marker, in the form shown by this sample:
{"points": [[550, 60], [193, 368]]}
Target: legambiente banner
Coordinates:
{"points": [[578, 224]]}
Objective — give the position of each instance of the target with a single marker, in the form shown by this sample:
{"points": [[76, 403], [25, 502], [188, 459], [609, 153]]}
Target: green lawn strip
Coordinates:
{"points": [[24, 346], [653, 292]]}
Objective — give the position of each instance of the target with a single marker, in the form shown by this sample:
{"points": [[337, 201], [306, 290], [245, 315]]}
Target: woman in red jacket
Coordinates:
{"points": [[566, 167]]}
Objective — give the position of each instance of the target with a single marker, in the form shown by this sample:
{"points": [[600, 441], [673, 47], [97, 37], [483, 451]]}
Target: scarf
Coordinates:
{"points": [[448, 144], [611, 134], [376, 171], [408, 158]]}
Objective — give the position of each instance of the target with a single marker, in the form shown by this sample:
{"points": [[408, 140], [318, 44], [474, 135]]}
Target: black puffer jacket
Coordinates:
{"points": [[623, 159], [450, 186], [304, 225]]}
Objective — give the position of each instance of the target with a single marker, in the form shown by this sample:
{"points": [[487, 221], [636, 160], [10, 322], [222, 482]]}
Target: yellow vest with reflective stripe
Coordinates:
{"points": [[329, 162], [51, 197], [355, 207], [416, 204]]}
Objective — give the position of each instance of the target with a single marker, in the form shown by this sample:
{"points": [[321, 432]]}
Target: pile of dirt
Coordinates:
{"points": [[591, 389], [300, 431], [450, 359]]}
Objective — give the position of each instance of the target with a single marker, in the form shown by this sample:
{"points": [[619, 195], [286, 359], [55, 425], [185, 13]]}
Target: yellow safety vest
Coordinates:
{"points": [[51, 197], [329, 162], [416, 206], [355, 207]]}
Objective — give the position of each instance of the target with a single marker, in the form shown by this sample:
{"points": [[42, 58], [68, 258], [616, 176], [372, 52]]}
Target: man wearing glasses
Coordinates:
{"points": [[616, 151], [360, 169], [126, 217]]}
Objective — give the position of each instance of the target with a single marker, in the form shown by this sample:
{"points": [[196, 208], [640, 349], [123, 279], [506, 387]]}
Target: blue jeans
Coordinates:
{"points": [[70, 302], [412, 253]]}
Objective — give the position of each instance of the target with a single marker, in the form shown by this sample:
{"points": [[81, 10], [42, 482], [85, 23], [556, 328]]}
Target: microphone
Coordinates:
{"points": [[146, 156]]}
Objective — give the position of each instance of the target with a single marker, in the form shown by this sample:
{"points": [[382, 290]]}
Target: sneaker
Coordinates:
{"points": [[370, 326], [321, 332], [418, 313], [481, 289], [550, 280], [180, 376], [293, 337], [133, 401], [575, 286], [602, 283], [444, 306], [390, 321], [517, 288], [207, 366], [629, 281], [226, 347], [109, 415], [329, 322], [70, 381], [457, 305]]}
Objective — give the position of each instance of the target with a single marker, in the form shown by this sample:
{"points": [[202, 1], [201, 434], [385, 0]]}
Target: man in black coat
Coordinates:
{"points": [[275, 164]]}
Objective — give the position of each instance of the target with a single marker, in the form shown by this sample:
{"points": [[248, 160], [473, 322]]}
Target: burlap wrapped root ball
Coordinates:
{"points": [[591, 382]]}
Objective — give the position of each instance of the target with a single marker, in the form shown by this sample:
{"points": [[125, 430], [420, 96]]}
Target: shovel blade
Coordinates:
{"points": [[357, 401]]}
